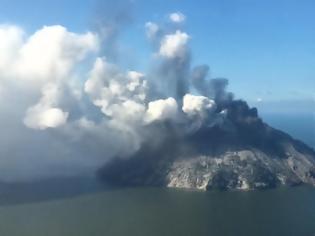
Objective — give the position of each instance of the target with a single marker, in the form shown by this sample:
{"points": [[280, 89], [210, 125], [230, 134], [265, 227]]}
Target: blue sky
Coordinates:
{"points": [[265, 48]]}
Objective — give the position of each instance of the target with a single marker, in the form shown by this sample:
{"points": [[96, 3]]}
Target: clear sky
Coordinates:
{"points": [[265, 48]]}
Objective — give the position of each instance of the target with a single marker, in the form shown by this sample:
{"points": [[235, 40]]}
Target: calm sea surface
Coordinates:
{"points": [[300, 125], [153, 211]]}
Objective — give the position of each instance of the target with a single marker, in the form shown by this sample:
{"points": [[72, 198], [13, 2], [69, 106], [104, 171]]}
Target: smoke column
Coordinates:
{"points": [[57, 120]]}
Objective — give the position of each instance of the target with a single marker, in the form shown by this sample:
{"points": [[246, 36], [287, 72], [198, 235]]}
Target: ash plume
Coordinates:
{"points": [[110, 19], [66, 122]]}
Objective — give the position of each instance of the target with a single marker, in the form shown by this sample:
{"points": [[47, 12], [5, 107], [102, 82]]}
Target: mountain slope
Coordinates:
{"points": [[242, 153]]}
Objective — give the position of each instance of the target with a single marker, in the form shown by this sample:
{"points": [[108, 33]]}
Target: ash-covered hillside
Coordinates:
{"points": [[180, 127], [239, 152]]}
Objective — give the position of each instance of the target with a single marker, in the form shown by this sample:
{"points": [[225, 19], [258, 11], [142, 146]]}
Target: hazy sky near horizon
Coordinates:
{"points": [[265, 48]]}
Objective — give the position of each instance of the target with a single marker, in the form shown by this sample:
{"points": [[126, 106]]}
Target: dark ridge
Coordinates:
{"points": [[145, 168]]}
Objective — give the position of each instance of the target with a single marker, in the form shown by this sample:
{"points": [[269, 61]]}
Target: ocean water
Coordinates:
{"points": [[167, 212], [299, 125], [80, 207]]}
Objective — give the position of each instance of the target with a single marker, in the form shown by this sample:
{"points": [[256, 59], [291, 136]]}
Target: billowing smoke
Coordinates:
{"points": [[111, 18], [67, 108]]}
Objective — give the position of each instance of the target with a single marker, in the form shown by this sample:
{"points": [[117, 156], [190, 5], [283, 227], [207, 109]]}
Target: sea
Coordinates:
{"points": [[85, 207]]}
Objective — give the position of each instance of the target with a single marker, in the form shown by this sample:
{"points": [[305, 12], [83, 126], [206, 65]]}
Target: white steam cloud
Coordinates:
{"points": [[163, 109], [177, 17], [197, 105], [174, 45], [61, 119], [152, 30]]}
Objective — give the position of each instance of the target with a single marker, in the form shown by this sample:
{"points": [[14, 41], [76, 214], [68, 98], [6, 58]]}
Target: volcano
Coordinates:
{"points": [[241, 153]]}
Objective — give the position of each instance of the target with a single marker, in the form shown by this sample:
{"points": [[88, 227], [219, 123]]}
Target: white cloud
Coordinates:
{"points": [[177, 17], [52, 51], [11, 38], [174, 45], [163, 109], [197, 105], [46, 118], [49, 54], [119, 95], [105, 115], [39, 64], [45, 114], [41, 81], [135, 81], [151, 29]]}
